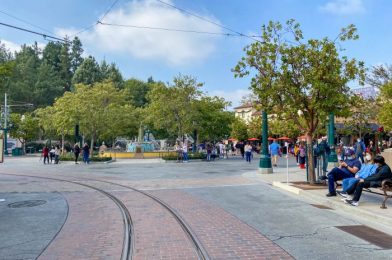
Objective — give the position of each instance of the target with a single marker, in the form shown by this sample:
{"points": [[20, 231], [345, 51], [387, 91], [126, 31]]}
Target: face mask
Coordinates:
{"points": [[349, 157]]}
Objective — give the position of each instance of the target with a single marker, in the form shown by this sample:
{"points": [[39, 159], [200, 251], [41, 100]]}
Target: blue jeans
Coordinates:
{"points": [[248, 156], [85, 158], [360, 155], [335, 175], [349, 183], [185, 155], [324, 157]]}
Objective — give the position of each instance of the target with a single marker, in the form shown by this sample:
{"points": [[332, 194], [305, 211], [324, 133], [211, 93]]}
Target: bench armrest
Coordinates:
{"points": [[386, 184]]}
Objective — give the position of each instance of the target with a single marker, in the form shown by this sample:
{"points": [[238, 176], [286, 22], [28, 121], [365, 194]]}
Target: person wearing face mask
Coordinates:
{"points": [[366, 170], [347, 169], [359, 149], [383, 172]]}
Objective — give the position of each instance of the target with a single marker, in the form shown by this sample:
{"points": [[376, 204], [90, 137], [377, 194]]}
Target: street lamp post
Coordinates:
{"points": [[332, 158], [265, 165]]}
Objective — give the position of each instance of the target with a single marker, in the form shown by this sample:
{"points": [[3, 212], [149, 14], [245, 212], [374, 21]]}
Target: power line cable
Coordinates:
{"points": [[168, 29], [99, 21], [108, 11], [209, 21], [46, 36], [24, 21]]}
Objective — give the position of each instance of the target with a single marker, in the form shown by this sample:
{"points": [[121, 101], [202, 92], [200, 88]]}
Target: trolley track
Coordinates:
{"points": [[128, 244]]}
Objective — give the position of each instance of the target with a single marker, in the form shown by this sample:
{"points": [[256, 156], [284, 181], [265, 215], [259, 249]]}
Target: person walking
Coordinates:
{"points": [[302, 156], [57, 155], [359, 149], [51, 154], [324, 151], [248, 152], [296, 153], [76, 152], [45, 153], [185, 151], [209, 151], [86, 153], [275, 151]]}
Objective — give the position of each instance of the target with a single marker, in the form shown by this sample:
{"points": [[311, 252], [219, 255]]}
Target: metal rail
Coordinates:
{"points": [[128, 242], [198, 246]]}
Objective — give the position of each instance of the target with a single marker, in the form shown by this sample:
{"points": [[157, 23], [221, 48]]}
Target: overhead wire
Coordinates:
{"points": [[168, 29], [45, 36], [253, 37], [24, 21], [97, 22]]}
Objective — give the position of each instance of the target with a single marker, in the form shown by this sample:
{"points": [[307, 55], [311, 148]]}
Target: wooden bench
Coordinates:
{"points": [[386, 188]]}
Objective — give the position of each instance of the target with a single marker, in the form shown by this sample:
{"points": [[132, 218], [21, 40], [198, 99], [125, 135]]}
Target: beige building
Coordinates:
{"points": [[246, 112]]}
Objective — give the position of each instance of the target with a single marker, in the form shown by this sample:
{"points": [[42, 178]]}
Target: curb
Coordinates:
{"points": [[339, 205]]}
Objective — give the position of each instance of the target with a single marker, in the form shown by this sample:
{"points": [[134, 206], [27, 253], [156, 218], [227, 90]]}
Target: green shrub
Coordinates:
{"points": [[191, 156], [70, 157]]}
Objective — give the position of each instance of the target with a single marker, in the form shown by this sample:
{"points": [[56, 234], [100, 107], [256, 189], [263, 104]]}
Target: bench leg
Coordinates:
{"points": [[386, 197]]}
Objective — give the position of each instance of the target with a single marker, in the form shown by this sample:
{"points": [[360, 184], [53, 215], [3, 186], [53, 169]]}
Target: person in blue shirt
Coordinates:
{"points": [[274, 150], [359, 149], [366, 170], [347, 169]]}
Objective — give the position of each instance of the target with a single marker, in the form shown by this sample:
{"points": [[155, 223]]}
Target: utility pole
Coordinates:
{"points": [[5, 124]]}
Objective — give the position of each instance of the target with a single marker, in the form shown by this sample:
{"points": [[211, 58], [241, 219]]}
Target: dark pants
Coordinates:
{"points": [[335, 175], [361, 185], [360, 155], [46, 157], [86, 158], [248, 156], [76, 157]]}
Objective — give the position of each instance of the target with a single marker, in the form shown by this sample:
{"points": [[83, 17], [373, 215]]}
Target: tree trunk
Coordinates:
{"points": [[92, 145], [310, 166], [62, 143]]}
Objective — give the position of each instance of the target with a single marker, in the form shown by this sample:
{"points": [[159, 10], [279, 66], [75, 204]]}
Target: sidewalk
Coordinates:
{"points": [[369, 206]]}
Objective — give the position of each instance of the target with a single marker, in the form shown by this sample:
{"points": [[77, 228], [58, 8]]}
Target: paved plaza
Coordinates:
{"points": [[227, 210]]}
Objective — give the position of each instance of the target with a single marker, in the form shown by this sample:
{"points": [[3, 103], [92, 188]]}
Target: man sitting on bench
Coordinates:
{"points": [[347, 169], [383, 172]]}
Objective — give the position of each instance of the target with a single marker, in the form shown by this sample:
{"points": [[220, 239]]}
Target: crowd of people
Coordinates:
{"points": [[52, 155]]}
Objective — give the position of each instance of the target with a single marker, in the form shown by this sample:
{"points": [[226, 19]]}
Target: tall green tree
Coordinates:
{"points": [[239, 129], [292, 73], [136, 92], [87, 73], [24, 127], [76, 54], [170, 107]]}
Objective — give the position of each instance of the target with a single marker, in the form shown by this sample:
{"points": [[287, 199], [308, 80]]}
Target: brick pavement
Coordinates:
{"points": [[157, 234], [93, 229], [223, 235]]}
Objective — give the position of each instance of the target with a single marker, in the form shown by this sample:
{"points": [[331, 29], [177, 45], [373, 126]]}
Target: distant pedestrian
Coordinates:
{"points": [[51, 154], [248, 152], [359, 150], [86, 154], [209, 152], [76, 152], [275, 152], [57, 155], [45, 153], [185, 151], [301, 156], [242, 149], [180, 154]]}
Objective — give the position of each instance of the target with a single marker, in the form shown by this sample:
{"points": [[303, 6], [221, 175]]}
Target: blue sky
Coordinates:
{"points": [[141, 53]]}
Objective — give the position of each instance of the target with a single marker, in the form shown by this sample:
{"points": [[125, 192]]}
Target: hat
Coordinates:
{"points": [[349, 152]]}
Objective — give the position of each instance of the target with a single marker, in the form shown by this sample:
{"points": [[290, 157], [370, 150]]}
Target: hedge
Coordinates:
{"points": [[191, 156]]}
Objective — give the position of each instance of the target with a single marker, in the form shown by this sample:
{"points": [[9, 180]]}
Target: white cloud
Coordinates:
{"points": [[15, 47], [234, 96], [174, 48], [11, 46], [344, 7]]}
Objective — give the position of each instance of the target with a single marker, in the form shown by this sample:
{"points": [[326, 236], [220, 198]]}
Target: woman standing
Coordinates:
{"points": [[302, 154], [76, 152], [248, 152]]}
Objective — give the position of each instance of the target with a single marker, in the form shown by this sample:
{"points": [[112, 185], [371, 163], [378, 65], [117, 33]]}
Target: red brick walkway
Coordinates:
{"points": [[93, 229], [157, 234], [223, 235]]}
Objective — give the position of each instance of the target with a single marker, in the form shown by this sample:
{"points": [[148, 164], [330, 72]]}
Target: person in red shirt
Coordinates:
{"points": [[45, 153]]}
